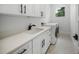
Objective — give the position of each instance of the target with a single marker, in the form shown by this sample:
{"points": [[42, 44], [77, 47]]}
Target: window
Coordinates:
{"points": [[60, 12]]}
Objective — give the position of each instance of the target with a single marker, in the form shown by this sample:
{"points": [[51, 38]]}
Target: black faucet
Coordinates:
{"points": [[30, 26]]}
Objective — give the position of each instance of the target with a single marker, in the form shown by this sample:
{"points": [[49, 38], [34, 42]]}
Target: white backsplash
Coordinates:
{"points": [[10, 24]]}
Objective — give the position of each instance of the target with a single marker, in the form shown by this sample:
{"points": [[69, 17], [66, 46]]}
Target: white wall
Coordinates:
{"points": [[77, 6], [14, 24], [64, 22], [74, 21], [74, 25], [10, 24]]}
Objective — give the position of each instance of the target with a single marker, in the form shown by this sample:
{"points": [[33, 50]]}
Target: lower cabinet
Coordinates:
{"points": [[38, 45], [41, 43], [25, 49], [45, 41]]}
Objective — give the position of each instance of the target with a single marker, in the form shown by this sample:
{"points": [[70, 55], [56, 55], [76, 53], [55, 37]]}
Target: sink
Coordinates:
{"points": [[34, 30]]}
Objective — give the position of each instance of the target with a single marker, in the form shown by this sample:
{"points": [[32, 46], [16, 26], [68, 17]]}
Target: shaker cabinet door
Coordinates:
{"points": [[37, 45], [10, 9], [33, 10]]}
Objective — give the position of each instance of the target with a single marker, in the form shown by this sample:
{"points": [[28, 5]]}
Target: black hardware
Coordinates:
{"points": [[25, 9], [56, 31], [41, 13], [21, 8], [43, 43], [30, 26], [23, 51], [76, 37], [42, 24]]}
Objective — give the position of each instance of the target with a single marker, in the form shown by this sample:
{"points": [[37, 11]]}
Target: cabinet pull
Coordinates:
{"points": [[21, 8], [43, 43], [24, 9], [41, 13], [23, 51]]}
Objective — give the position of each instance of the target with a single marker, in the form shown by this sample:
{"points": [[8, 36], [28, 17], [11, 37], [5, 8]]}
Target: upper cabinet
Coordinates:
{"points": [[43, 10], [10, 9], [33, 10]]}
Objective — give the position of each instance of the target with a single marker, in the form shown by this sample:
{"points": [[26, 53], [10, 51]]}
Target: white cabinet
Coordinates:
{"points": [[37, 45], [41, 43], [37, 10], [48, 38], [33, 10], [46, 41], [10, 9], [43, 10], [30, 10], [13, 9], [24, 49]]}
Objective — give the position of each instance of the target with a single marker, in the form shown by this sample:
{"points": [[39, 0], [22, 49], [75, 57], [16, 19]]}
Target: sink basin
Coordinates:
{"points": [[34, 30]]}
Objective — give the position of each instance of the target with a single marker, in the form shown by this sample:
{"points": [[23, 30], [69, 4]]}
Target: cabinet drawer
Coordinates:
{"points": [[25, 49]]}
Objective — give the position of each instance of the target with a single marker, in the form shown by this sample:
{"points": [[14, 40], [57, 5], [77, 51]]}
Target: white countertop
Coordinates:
{"points": [[11, 43], [51, 23]]}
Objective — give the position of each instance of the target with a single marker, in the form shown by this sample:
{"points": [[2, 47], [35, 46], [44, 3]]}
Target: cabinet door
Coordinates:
{"points": [[37, 11], [10, 9], [43, 44], [37, 45], [24, 49], [47, 38], [43, 10], [48, 35], [30, 9]]}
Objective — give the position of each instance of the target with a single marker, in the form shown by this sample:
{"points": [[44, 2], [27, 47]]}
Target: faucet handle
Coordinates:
{"points": [[33, 25]]}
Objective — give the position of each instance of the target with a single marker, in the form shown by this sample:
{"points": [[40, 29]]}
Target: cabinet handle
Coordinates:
{"points": [[21, 8], [24, 9], [41, 13], [23, 51], [43, 43]]}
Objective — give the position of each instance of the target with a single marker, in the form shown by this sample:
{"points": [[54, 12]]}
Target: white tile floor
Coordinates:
{"points": [[64, 45]]}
